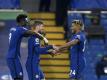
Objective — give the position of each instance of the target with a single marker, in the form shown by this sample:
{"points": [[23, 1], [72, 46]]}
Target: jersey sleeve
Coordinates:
{"points": [[79, 37], [43, 50], [39, 49], [22, 30]]}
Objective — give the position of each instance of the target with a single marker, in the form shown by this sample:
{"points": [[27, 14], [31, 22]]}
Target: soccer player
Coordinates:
{"points": [[34, 52], [15, 37], [77, 47]]}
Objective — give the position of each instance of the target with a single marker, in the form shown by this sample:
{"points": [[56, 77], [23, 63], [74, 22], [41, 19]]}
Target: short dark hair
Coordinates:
{"points": [[36, 22], [21, 17], [79, 22]]}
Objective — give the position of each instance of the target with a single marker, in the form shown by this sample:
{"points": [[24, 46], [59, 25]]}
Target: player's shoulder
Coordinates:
{"points": [[34, 39], [13, 29], [80, 36], [22, 28], [83, 34]]}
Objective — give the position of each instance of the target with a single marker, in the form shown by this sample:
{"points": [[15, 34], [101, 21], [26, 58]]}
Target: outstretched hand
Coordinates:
{"points": [[54, 51], [56, 48]]}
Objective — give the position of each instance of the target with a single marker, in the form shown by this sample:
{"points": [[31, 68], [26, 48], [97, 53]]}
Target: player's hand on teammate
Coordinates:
{"points": [[44, 38]]}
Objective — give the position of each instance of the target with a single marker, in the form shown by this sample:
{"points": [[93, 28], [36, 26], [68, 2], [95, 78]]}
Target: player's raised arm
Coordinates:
{"points": [[29, 33], [24, 21]]}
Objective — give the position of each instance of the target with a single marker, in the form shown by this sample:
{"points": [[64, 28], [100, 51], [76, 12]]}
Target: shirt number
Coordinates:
{"points": [[72, 72]]}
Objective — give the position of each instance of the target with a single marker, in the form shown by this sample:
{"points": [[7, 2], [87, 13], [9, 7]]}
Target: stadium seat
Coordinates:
{"points": [[87, 21], [103, 22]]}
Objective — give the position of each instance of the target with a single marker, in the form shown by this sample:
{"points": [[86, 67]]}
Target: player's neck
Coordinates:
{"points": [[20, 25], [78, 31]]}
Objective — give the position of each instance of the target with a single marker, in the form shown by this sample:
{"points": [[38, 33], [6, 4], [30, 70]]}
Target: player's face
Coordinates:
{"points": [[41, 28], [25, 22], [75, 28]]}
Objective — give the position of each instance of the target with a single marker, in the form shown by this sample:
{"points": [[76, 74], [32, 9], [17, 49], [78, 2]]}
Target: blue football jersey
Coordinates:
{"points": [[35, 49], [15, 37], [33, 59], [79, 48], [77, 59]]}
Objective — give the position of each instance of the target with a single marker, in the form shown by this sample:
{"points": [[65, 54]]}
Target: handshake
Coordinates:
{"points": [[55, 51]]}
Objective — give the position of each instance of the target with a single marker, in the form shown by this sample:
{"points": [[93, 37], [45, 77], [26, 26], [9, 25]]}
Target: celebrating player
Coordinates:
{"points": [[34, 51], [77, 47], [15, 37]]}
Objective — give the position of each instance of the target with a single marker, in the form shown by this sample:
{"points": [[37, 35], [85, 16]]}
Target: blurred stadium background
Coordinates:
{"points": [[57, 16]]}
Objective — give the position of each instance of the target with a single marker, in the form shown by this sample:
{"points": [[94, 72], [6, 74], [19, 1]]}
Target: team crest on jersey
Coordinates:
{"points": [[37, 40]]}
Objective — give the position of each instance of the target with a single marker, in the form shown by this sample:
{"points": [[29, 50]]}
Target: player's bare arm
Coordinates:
{"points": [[30, 32], [67, 45]]}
